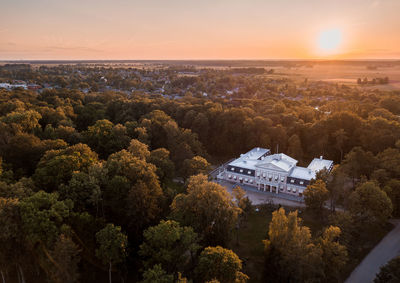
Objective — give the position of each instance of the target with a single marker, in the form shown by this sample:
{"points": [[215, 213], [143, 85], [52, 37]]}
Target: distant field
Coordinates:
{"points": [[346, 74]]}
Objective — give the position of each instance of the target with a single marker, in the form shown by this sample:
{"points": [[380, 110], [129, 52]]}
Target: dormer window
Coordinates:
{"points": [[301, 182], [233, 169], [292, 181], [241, 170], [249, 172]]}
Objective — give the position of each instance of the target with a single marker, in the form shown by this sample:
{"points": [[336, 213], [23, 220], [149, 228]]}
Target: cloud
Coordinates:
{"points": [[375, 4], [72, 48]]}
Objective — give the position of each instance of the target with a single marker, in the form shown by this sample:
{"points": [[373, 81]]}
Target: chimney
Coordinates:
{"points": [[320, 157]]}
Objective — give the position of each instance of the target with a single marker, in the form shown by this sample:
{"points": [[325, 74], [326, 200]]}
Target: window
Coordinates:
{"points": [[246, 180], [294, 190], [288, 189], [263, 175], [251, 181], [234, 177], [282, 179], [230, 176], [258, 174]]}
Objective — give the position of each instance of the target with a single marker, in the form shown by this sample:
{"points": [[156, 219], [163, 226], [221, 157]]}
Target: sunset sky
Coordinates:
{"points": [[191, 29]]}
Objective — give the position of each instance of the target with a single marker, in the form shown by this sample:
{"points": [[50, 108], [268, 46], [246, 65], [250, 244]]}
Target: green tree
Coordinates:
{"points": [[132, 195], [221, 264], [56, 166], [168, 244], [112, 246], [165, 167], [208, 208], [316, 195], [392, 189], [390, 272], [43, 218], [157, 275], [106, 138], [370, 205]]}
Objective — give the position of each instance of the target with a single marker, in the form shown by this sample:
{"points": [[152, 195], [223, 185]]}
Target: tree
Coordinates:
{"points": [[359, 162], [221, 264], [334, 255], [340, 137], [64, 260], [106, 138], [290, 251], [56, 166], [169, 245], [242, 201], [83, 189], [165, 167], [194, 166], [112, 246], [370, 205], [208, 208], [132, 195], [295, 148], [43, 217], [315, 195], [392, 189], [390, 272], [139, 149], [157, 275]]}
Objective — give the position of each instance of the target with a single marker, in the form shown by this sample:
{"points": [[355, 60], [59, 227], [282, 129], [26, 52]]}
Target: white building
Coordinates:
{"points": [[276, 173]]}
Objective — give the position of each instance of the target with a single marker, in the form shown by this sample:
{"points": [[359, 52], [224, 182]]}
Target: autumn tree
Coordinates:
{"points": [[334, 254], [208, 208], [112, 246], [221, 264], [194, 166], [139, 149], [290, 250]]}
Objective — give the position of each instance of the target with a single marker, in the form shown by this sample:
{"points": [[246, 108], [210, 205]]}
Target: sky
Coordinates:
{"points": [[192, 29]]}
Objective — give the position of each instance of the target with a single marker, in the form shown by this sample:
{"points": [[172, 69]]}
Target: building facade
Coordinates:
{"points": [[276, 173]]}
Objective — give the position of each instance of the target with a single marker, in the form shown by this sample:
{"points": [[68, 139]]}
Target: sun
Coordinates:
{"points": [[329, 41]]}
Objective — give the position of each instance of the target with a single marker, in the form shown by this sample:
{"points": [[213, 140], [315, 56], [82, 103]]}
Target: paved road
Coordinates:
{"points": [[388, 248]]}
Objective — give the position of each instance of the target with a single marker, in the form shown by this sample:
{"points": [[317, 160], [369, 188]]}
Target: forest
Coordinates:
{"points": [[111, 184]]}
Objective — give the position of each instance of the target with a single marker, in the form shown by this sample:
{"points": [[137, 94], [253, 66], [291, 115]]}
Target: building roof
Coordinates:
{"points": [[250, 159], [302, 173], [280, 160], [318, 164]]}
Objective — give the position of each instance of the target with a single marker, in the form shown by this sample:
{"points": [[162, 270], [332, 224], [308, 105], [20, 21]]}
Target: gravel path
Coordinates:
{"points": [[388, 248]]}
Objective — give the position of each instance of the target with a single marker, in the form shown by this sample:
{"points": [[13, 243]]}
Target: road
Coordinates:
{"points": [[388, 248]]}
